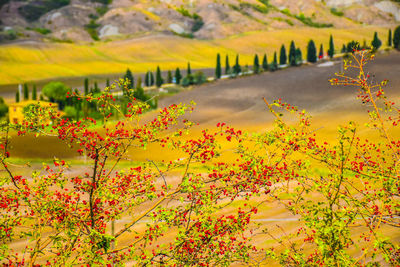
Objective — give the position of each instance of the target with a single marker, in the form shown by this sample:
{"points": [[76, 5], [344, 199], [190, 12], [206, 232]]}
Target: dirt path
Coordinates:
{"points": [[239, 101]]}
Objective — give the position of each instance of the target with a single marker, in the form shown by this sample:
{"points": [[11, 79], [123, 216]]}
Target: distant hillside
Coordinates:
{"points": [[88, 20]]}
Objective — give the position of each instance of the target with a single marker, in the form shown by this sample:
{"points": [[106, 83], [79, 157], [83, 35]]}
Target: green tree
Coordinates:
{"points": [[389, 43], [169, 76], [3, 108], [159, 79], [17, 97], [218, 70], [311, 52], [274, 64], [236, 68], [321, 52], [139, 92], [298, 56], [283, 57], [86, 86], [376, 43], [256, 65], [292, 54], [343, 50], [128, 76], [26, 92], [107, 82], [34, 92], [396, 38], [96, 88], [331, 50], [56, 92], [189, 70], [265, 63], [227, 67], [178, 76]]}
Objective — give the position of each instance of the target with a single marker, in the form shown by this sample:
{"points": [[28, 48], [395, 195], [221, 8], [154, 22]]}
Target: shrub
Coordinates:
{"points": [[197, 206], [33, 10]]}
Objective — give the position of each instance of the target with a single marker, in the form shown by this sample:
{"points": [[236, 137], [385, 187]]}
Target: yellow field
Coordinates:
{"points": [[32, 62]]}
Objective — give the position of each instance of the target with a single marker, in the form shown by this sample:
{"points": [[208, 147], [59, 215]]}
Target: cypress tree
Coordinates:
{"points": [[189, 70], [396, 38], [389, 43], [159, 79], [218, 70], [227, 67], [331, 50], [26, 92], [86, 86], [311, 52], [292, 54], [256, 65], [108, 82], [237, 69], [265, 63], [169, 77], [343, 49], [96, 88], [151, 79], [376, 43], [17, 97], [283, 57], [274, 65], [147, 79], [298, 56], [34, 93], [178, 76], [128, 76], [321, 52]]}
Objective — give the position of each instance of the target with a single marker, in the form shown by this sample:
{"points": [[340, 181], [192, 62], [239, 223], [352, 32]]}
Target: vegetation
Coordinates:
{"points": [[227, 67], [256, 65], [129, 78], [336, 12], [389, 43], [218, 70], [169, 76], [43, 31], [56, 92], [91, 28], [331, 50], [343, 193], [33, 10], [311, 52], [274, 64], [396, 38], [265, 63], [283, 57], [178, 76], [26, 92], [159, 79], [3, 108], [236, 68], [34, 92], [376, 43], [321, 52], [292, 54]]}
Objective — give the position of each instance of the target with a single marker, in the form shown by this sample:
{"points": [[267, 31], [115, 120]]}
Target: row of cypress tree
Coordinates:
{"points": [[294, 58]]}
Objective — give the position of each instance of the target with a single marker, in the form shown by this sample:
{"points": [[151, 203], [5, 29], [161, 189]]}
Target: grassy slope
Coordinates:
{"points": [[30, 62]]}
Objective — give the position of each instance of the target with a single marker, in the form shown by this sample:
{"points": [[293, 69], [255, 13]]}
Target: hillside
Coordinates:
{"points": [[88, 20]]}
